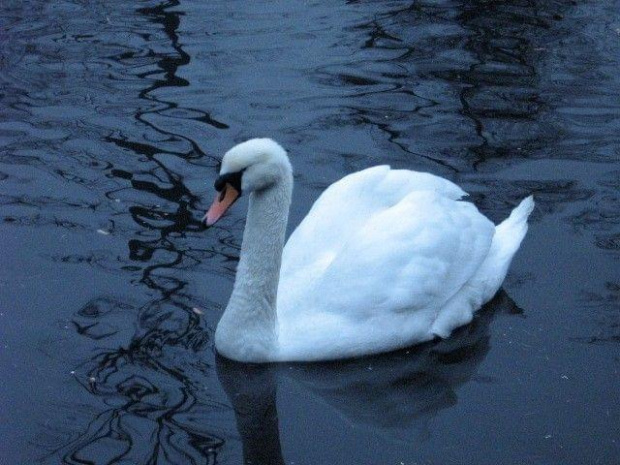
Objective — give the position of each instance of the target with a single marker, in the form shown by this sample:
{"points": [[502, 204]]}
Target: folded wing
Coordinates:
{"points": [[382, 240]]}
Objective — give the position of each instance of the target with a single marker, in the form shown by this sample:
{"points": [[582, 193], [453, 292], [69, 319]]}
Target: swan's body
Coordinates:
{"points": [[383, 260]]}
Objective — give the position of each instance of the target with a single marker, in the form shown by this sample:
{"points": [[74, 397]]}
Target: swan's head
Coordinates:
{"points": [[254, 165]]}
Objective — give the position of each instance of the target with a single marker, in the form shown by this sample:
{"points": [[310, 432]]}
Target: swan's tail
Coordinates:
{"points": [[485, 283], [511, 231], [508, 236]]}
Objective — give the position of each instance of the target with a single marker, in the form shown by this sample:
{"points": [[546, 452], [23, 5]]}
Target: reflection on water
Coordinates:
{"points": [[251, 390], [113, 117], [157, 407], [397, 394], [152, 388]]}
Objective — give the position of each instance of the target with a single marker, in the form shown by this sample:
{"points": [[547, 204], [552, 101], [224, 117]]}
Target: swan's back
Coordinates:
{"points": [[344, 208]]}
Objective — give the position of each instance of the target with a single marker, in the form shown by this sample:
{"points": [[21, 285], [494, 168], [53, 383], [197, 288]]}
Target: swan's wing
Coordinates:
{"points": [[342, 210], [410, 257]]}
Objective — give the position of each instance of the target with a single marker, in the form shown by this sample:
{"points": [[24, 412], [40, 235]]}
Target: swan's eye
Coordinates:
{"points": [[219, 184], [234, 179], [222, 193]]}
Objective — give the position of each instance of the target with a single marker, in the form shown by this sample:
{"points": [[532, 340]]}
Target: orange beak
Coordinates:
{"points": [[223, 201]]}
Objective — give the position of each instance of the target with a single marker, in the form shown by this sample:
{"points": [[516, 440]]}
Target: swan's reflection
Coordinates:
{"points": [[252, 391], [395, 394]]}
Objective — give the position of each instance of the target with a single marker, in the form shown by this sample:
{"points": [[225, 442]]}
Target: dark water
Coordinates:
{"points": [[113, 116]]}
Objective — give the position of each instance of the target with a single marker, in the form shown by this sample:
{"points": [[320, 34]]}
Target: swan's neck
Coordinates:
{"points": [[248, 328]]}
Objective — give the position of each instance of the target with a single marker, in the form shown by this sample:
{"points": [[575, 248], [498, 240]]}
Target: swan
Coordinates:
{"points": [[384, 259]]}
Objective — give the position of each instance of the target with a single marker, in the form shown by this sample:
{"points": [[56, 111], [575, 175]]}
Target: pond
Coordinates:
{"points": [[113, 119]]}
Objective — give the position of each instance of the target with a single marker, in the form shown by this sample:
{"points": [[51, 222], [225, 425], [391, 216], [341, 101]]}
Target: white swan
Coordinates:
{"points": [[384, 259]]}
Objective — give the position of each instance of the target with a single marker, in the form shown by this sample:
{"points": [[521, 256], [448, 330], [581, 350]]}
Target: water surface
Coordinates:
{"points": [[113, 118]]}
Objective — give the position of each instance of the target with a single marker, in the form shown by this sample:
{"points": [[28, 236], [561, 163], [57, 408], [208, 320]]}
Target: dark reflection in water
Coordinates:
{"points": [[251, 390], [457, 66], [396, 394], [151, 389], [112, 119]]}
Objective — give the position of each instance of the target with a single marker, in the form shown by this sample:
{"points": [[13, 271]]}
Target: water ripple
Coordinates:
{"points": [[113, 119]]}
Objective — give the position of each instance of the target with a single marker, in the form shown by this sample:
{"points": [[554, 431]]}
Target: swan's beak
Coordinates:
{"points": [[223, 201]]}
